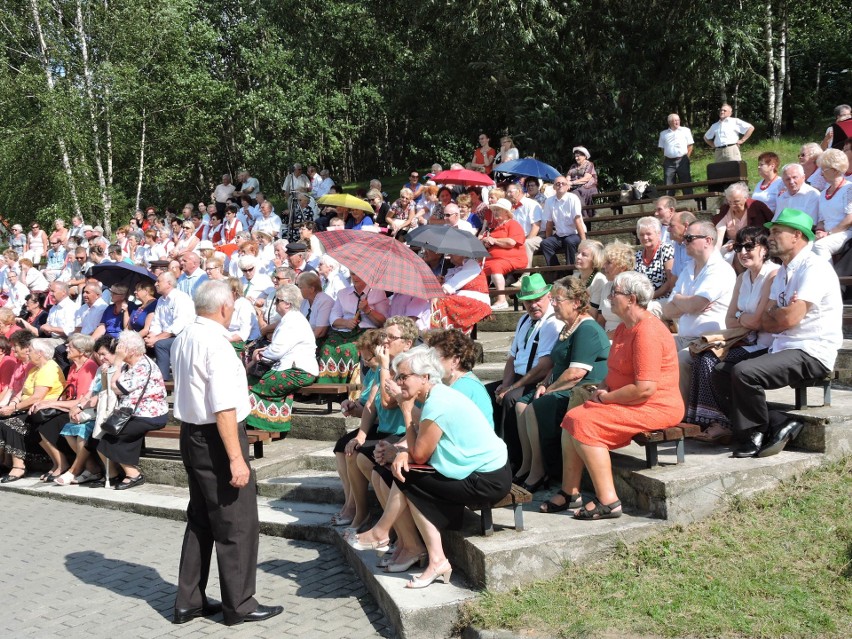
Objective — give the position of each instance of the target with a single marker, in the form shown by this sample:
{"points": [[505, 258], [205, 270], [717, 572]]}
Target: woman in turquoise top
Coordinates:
{"points": [[579, 357], [468, 464], [458, 356]]}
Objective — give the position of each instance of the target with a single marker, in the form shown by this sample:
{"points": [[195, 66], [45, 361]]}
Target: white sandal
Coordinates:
{"points": [[65, 479]]}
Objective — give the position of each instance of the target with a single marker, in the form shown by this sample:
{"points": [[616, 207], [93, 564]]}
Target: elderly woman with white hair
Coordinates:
{"points": [[739, 211], [465, 462], [290, 363], [582, 177], [335, 278], [19, 438], [834, 210], [809, 156], [640, 393], [655, 259], [587, 269], [138, 385]]}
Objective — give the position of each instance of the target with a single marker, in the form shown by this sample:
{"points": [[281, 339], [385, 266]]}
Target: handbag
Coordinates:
{"points": [[117, 419], [44, 415], [260, 368]]}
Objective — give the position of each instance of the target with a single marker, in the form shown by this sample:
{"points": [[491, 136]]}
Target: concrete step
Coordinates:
{"points": [[490, 371], [500, 321], [314, 486]]}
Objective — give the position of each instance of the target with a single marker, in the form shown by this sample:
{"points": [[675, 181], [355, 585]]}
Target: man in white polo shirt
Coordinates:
{"points": [[796, 194], [701, 296], [677, 144], [724, 135]]}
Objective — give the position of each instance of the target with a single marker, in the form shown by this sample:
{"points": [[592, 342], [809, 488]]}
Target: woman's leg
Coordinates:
{"points": [[18, 467], [432, 538], [599, 465], [523, 436], [499, 281], [536, 468], [57, 458], [357, 491], [348, 509], [572, 472], [397, 515]]}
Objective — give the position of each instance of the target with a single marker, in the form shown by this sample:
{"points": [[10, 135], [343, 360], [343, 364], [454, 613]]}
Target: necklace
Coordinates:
{"points": [[567, 332], [591, 277]]}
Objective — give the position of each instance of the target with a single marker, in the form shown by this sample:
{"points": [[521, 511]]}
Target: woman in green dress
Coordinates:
{"points": [[579, 358]]}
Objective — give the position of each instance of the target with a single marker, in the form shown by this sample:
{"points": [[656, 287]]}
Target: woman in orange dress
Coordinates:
{"points": [[640, 394], [505, 245]]}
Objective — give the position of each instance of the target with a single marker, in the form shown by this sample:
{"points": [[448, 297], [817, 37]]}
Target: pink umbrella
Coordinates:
{"points": [[465, 177]]}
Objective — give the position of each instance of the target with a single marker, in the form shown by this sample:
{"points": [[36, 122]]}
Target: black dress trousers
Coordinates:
{"points": [[221, 514]]}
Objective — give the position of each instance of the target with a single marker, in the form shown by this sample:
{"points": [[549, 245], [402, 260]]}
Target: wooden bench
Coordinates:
{"points": [[516, 498], [331, 392], [255, 438], [677, 434], [520, 272]]}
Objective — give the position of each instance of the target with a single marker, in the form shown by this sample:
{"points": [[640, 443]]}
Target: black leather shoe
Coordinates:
{"points": [[776, 443], [182, 615], [750, 447], [261, 613]]}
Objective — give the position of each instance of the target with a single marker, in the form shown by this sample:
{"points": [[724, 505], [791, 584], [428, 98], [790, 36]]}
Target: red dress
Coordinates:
{"points": [[645, 352], [503, 260], [460, 311]]}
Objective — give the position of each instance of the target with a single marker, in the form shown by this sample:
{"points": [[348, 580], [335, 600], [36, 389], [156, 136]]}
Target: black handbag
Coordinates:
{"points": [[44, 415], [118, 418], [260, 368]]}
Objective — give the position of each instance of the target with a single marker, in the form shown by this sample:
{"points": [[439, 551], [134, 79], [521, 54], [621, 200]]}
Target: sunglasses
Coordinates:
{"points": [[689, 238], [748, 246]]}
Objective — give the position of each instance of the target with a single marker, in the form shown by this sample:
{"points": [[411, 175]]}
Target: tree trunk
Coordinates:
{"points": [[141, 161], [48, 73], [781, 74], [106, 198], [769, 51]]}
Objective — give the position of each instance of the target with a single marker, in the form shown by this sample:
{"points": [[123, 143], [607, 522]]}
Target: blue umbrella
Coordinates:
{"points": [[528, 167]]}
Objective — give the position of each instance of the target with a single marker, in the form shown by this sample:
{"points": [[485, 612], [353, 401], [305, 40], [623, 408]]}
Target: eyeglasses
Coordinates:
{"points": [[560, 183], [414, 176], [689, 238], [80, 259], [34, 227], [401, 377], [248, 270], [55, 243], [748, 246], [559, 300], [211, 268], [613, 293], [390, 338], [278, 300]]}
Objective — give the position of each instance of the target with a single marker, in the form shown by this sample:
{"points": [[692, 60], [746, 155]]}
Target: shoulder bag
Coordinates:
{"points": [[117, 419]]}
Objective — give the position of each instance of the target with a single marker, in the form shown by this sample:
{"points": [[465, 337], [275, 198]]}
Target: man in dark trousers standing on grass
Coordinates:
{"points": [[211, 402]]}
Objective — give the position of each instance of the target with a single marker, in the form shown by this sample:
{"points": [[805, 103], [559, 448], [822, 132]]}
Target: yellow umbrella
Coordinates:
{"points": [[345, 200]]}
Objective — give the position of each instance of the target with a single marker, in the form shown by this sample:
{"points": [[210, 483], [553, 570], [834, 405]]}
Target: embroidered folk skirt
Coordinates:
{"points": [[338, 359], [271, 398]]}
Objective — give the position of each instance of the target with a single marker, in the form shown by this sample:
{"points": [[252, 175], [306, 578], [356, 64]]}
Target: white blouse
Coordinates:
{"points": [[293, 344], [749, 299]]}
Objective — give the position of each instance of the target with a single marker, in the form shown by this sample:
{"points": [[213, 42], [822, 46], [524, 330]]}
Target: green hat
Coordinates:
{"points": [[533, 286], [798, 220]]}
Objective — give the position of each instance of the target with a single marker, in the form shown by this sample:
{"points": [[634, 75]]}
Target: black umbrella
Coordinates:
{"points": [[128, 275], [447, 240]]}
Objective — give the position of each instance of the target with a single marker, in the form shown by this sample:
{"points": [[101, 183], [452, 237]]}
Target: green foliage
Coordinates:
{"points": [[374, 87]]}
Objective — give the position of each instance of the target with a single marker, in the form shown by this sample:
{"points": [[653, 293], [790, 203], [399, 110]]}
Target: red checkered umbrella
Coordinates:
{"points": [[382, 262], [465, 177]]}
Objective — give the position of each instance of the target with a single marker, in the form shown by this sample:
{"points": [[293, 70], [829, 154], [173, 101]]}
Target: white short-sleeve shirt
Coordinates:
{"points": [[545, 332], [715, 282], [675, 143], [812, 279], [727, 131], [562, 212], [807, 200]]}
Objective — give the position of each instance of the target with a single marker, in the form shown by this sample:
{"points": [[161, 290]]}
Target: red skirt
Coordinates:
{"points": [[458, 311]]}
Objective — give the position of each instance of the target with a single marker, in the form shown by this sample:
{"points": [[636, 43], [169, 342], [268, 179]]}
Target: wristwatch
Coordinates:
{"points": [[738, 314]]}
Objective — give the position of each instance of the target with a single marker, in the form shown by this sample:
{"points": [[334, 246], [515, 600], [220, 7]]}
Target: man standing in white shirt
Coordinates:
{"points": [[174, 312], [564, 227], [222, 193], [527, 213], [677, 144], [296, 181], [701, 295], [212, 402], [314, 177], [724, 135], [796, 194], [325, 184]]}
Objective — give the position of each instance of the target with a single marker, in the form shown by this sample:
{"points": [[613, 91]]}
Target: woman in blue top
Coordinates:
{"points": [[116, 316], [458, 356], [468, 464]]}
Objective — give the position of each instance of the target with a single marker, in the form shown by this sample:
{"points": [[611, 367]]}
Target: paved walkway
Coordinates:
{"points": [[74, 571]]}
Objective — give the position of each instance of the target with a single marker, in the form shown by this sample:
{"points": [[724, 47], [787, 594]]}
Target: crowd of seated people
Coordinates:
{"points": [[613, 350]]}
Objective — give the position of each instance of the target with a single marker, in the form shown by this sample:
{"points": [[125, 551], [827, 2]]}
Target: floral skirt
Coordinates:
{"points": [[458, 311], [21, 439], [338, 357], [271, 398]]}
